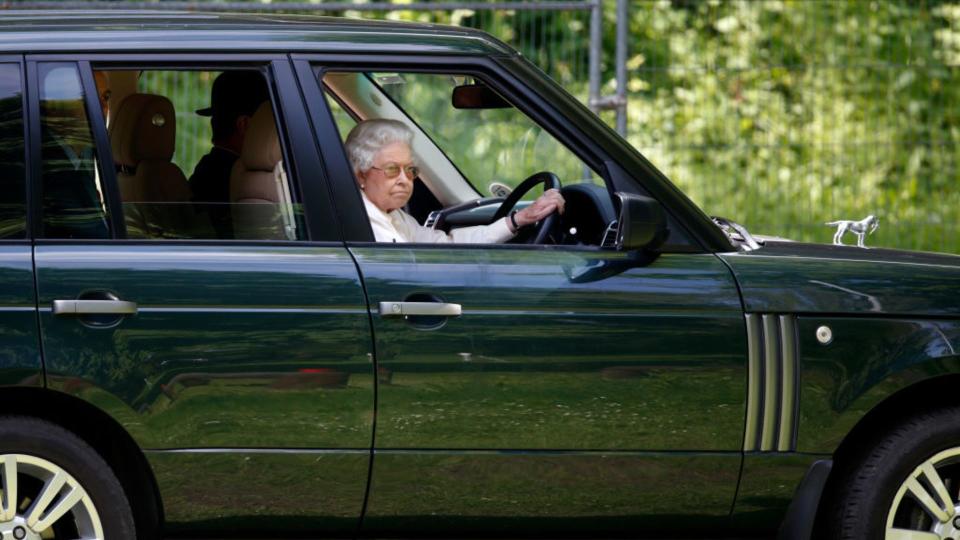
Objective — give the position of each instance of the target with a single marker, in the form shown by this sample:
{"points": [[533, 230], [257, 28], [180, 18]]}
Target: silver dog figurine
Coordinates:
{"points": [[860, 228]]}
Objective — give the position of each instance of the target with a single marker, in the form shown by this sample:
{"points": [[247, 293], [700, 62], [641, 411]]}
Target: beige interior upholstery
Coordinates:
{"points": [[121, 84], [258, 186], [142, 138]]}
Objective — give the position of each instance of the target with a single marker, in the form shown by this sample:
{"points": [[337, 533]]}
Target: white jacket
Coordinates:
{"points": [[399, 226]]}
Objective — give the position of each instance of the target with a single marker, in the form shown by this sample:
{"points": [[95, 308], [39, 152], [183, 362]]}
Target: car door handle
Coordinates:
{"points": [[435, 309], [94, 307]]}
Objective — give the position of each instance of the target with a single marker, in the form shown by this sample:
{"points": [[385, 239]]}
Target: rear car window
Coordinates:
{"points": [[13, 210], [195, 154]]}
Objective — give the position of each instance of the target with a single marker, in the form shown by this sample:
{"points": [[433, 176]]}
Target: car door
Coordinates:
{"points": [[241, 366], [576, 393]]}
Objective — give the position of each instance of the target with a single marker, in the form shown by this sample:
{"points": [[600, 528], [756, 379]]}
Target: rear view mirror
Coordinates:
{"points": [[642, 224], [477, 96]]}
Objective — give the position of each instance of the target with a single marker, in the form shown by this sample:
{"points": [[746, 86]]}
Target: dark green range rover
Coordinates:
{"points": [[254, 364]]}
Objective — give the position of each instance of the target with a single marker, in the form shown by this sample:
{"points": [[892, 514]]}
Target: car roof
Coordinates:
{"points": [[59, 31]]}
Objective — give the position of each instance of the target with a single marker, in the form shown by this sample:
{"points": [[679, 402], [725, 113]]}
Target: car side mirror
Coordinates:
{"points": [[641, 229], [642, 224]]}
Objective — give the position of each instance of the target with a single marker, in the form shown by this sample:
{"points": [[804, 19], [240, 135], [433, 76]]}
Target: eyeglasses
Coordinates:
{"points": [[392, 170]]}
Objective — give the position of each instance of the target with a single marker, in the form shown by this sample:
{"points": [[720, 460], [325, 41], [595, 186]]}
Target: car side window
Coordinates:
{"points": [[13, 211], [480, 134], [198, 155], [72, 197], [466, 143]]}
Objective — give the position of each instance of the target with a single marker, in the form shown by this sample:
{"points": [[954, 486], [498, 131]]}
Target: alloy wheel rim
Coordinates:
{"points": [[39, 500], [927, 504]]}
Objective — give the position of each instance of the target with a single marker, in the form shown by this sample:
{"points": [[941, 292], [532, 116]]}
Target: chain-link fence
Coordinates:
{"points": [[553, 34]]}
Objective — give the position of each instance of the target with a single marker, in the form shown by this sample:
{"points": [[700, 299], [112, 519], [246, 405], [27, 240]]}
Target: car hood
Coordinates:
{"points": [[788, 277]]}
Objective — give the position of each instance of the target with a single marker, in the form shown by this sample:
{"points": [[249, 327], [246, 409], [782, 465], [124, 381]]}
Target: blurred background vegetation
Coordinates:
{"points": [[784, 115], [779, 114]]}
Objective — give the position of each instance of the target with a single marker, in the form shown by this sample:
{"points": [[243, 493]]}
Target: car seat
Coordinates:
{"points": [[259, 192], [154, 191]]}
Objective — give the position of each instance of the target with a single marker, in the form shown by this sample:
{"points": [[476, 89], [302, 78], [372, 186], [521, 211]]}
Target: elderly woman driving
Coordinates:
{"points": [[384, 166]]}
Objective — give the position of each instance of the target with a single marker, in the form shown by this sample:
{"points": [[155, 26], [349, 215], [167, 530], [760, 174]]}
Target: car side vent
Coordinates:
{"points": [[431, 221], [772, 383], [610, 236]]}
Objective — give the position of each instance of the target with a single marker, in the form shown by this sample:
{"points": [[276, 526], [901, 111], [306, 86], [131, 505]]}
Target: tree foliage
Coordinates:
{"points": [[786, 114]]}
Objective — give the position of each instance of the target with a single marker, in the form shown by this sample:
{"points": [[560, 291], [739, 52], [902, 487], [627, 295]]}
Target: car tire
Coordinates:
{"points": [[880, 493], [86, 498]]}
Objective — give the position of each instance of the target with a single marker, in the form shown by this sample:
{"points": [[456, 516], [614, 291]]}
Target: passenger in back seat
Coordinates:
{"points": [[234, 98]]}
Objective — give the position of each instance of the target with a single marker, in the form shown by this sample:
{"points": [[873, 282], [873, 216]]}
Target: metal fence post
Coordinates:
{"points": [[623, 25], [596, 46], [618, 101]]}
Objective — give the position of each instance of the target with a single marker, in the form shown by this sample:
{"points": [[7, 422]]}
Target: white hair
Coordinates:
{"points": [[367, 138]]}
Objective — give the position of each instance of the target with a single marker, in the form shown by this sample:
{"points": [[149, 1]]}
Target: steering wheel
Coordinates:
{"points": [[543, 228]]}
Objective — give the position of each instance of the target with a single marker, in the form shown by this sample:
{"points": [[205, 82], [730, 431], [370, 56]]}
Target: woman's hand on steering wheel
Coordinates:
{"points": [[551, 201], [544, 214]]}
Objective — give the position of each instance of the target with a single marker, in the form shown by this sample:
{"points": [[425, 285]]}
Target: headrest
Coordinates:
{"points": [[144, 128], [261, 145]]}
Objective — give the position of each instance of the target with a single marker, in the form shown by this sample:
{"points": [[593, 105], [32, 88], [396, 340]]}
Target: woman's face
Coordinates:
{"points": [[389, 193]]}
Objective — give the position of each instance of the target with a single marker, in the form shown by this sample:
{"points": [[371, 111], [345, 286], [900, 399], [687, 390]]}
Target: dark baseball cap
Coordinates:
{"points": [[235, 93]]}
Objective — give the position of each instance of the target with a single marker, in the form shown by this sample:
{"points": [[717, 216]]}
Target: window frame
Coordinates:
{"points": [[311, 67], [28, 230], [108, 172], [296, 138]]}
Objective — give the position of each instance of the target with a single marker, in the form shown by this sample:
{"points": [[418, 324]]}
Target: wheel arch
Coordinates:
{"points": [[106, 436], [926, 394]]}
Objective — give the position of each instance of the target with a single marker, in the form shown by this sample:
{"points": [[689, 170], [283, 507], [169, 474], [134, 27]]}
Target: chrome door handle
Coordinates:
{"points": [[94, 307], [435, 309]]}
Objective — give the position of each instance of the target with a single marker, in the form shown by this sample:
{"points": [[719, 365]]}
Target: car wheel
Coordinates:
{"points": [[906, 483], [54, 485]]}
